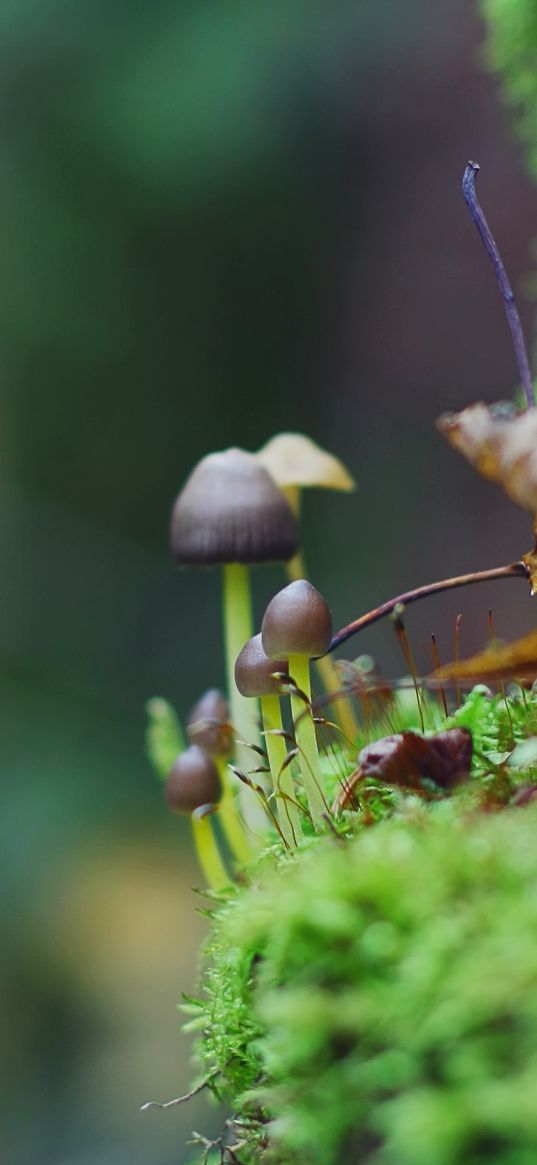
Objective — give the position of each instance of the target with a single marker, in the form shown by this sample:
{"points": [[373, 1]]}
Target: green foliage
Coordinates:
{"points": [[510, 49], [230, 1029], [496, 724], [372, 998], [164, 738]]}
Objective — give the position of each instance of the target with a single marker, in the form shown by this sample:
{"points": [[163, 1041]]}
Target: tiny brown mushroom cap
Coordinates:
{"points": [[193, 781], [208, 724], [297, 621], [254, 670], [293, 459], [231, 510]]}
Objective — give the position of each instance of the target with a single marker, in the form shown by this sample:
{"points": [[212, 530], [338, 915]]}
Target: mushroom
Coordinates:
{"points": [[260, 677], [230, 512], [208, 726], [193, 788], [296, 463], [193, 782], [297, 625]]}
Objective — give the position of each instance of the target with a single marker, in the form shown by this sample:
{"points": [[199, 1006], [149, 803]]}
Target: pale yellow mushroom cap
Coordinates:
{"points": [[292, 459]]}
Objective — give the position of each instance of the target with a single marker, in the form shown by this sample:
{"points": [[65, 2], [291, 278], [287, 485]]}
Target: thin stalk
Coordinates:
{"points": [[511, 310], [400, 631], [515, 570], [229, 818], [436, 665], [213, 868], [457, 652], [296, 569], [308, 753], [341, 709], [288, 811], [238, 629]]}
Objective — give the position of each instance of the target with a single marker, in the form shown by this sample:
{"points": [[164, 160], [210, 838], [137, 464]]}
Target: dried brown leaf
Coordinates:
{"points": [[501, 444], [530, 560], [517, 660], [410, 761]]}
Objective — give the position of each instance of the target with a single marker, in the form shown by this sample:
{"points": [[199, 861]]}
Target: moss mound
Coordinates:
{"points": [[375, 1000], [510, 50]]}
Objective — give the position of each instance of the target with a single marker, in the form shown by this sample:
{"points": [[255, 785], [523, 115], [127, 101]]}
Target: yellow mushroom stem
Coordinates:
{"points": [[288, 810], [296, 568], [207, 851], [230, 819], [237, 603], [238, 629], [306, 739]]}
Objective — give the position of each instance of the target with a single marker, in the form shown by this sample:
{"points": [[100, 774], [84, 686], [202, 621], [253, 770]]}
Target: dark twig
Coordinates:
{"points": [[515, 570], [181, 1099], [511, 310]]}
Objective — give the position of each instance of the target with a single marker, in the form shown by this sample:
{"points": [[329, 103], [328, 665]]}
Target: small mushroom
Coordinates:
{"points": [[192, 787], [208, 726], [193, 782], [296, 463], [296, 626], [258, 676], [230, 512]]}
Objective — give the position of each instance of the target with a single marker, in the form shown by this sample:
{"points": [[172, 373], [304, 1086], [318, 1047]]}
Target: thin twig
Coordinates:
{"points": [[515, 570], [511, 310], [181, 1099]]}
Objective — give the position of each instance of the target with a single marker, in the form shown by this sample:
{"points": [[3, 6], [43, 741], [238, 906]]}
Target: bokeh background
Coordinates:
{"points": [[220, 219]]}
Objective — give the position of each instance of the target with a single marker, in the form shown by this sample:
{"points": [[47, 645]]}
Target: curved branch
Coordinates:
{"points": [[515, 570]]}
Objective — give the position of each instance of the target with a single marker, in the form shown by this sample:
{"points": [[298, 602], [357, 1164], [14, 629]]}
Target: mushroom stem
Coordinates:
{"points": [[292, 493], [208, 854], [296, 569], [237, 630], [288, 812], [306, 739], [229, 818]]}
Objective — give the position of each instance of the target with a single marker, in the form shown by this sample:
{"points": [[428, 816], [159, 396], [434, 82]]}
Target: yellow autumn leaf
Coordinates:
{"points": [[517, 660], [530, 561]]}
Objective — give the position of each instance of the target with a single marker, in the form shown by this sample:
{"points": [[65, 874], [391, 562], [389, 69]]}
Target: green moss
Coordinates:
{"points": [[373, 997], [376, 1001], [497, 724], [510, 50]]}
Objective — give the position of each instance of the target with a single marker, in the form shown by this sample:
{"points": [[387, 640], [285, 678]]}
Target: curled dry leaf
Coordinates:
{"points": [[517, 660], [531, 562], [410, 761], [501, 444]]}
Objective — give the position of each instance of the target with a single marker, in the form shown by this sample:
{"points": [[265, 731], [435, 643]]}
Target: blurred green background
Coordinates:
{"points": [[220, 218]]}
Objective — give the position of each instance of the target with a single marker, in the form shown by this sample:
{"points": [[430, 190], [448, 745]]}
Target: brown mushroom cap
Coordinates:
{"points": [[230, 510], [297, 621], [254, 671], [293, 459], [208, 724], [193, 781]]}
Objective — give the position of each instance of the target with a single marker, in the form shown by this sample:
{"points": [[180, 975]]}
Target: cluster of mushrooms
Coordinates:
{"points": [[235, 510], [241, 508]]}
